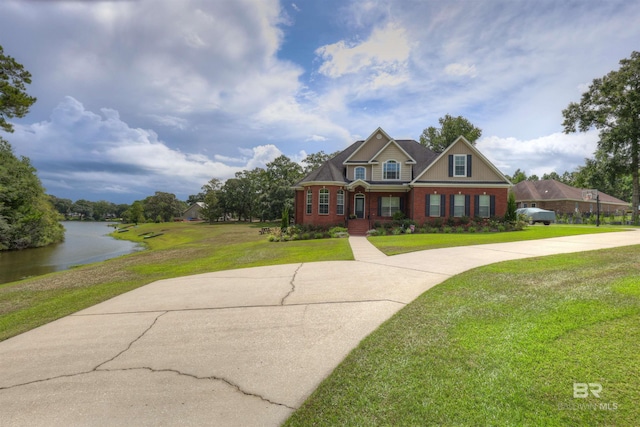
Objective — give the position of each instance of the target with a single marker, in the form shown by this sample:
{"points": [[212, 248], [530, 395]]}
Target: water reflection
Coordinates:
{"points": [[85, 242]]}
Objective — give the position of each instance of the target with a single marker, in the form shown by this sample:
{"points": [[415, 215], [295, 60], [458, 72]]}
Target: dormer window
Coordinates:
{"points": [[391, 170], [360, 173]]}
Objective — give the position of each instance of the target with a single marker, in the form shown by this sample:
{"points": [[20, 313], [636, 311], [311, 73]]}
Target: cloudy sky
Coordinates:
{"points": [[138, 96]]}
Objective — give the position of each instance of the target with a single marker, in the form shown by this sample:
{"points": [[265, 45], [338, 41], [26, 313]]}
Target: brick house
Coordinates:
{"points": [[563, 199], [372, 179]]}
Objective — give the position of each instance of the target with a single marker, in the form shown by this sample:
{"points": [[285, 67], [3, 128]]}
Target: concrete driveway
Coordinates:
{"points": [[241, 347]]}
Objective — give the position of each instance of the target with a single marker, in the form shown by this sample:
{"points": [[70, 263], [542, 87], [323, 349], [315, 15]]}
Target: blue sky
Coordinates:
{"points": [[161, 95]]}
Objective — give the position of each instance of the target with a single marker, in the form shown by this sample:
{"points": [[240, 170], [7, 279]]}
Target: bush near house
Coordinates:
{"points": [[447, 225], [307, 232]]}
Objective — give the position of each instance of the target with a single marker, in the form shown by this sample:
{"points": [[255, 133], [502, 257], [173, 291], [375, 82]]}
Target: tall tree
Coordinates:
{"points": [[611, 104], [314, 160], [14, 100], [438, 139], [281, 174], [163, 207], [604, 174], [212, 207], [518, 176], [27, 217]]}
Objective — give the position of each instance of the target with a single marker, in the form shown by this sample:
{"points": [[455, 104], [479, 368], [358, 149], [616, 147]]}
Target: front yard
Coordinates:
{"points": [[519, 343]]}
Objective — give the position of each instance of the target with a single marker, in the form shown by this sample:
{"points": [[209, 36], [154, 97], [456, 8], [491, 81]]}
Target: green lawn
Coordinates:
{"points": [[182, 249], [500, 345], [403, 243]]}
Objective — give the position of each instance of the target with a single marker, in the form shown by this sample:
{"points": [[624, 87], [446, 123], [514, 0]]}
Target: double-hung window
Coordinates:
{"points": [[323, 202], [309, 202], [459, 165], [484, 206], [434, 205], [360, 173], [340, 203], [458, 205], [391, 170]]}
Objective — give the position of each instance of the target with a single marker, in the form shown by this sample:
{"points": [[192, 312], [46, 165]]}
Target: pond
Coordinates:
{"points": [[85, 242]]}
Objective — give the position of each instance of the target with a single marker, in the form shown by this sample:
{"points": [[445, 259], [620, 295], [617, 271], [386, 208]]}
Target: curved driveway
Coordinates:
{"points": [[240, 347]]}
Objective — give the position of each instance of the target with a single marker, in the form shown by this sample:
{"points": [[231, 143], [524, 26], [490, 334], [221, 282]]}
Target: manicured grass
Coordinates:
{"points": [[182, 249], [403, 243], [500, 345]]}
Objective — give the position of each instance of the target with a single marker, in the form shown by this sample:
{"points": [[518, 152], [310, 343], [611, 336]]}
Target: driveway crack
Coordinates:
{"points": [[94, 369], [209, 378], [132, 342], [292, 283]]}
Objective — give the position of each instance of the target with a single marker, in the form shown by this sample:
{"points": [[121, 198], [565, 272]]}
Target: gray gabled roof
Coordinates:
{"points": [[333, 169], [549, 189]]}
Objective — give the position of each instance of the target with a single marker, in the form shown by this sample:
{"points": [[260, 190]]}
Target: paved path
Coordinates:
{"points": [[240, 347]]}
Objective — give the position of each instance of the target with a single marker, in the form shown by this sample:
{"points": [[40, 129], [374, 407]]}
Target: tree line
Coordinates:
{"points": [[258, 194]]}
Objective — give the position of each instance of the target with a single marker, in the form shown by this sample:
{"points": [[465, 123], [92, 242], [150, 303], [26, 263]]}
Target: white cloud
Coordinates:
{"points": [[79, 150], [316, 138], [386, 49], [557, 152]]}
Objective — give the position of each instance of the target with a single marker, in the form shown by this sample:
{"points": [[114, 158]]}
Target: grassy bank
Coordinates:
{"points": [[403, 243], [500, 345], [182, 249]]}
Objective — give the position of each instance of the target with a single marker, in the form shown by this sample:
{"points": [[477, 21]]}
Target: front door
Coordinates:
{"points": [[359, 206]]}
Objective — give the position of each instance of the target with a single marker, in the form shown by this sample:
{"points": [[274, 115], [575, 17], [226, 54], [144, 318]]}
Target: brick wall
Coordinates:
{"points": [[413, 202], [420, 196], [332, 218]]}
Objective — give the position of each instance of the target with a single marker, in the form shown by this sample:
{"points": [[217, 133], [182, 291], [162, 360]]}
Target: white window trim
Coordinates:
{"points": [[464, 157], [399, 169], [339, 203], [322, 192], [355, 172], [309, 203]]}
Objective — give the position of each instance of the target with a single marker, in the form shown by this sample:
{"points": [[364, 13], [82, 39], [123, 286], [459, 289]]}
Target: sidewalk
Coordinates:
{"points": [[239, 347], [363, 250]]}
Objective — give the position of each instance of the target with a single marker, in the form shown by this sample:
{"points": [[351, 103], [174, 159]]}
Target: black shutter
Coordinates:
{"points": [[380, 206], [469, 165], [476, 205], [450, 164], [427, 205], [493, 206], [402, 204], [443, 201], [451, 207], [467, 205]]}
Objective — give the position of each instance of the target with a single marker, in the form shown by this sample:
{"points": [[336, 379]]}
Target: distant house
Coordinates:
{"points": [[194, 212], [562, 198], [372, 179]]}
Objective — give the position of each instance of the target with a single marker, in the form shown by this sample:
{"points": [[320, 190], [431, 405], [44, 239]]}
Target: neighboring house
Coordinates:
{"points": [[562, 198], [194, 213], [373, 179]]}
